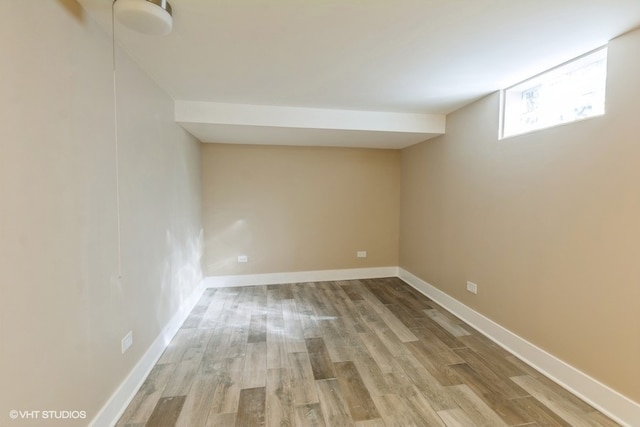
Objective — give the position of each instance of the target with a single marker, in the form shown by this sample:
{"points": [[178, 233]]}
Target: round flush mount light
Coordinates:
{"points": [[151, 17]]}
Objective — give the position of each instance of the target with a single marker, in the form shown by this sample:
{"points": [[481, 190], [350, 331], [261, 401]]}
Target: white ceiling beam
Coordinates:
{"points": [[307, 118]]}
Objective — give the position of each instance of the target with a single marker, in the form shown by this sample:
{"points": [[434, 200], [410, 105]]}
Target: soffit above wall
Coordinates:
{"points": [[262, 124]]}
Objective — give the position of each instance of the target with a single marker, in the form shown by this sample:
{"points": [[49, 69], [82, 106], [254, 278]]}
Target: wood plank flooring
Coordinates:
{"points": [[362, 353]]}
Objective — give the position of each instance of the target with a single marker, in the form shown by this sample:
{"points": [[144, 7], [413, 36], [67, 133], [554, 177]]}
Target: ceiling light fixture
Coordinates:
{"points": [[151, 17]]}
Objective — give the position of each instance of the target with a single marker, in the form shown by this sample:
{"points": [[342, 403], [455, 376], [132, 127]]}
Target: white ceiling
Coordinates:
{"points": [[403, 56]]}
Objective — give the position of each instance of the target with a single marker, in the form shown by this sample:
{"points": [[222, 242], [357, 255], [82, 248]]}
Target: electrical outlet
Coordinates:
{"points": [[361, 254], [243, 258], [472, 287], [126, 342]]}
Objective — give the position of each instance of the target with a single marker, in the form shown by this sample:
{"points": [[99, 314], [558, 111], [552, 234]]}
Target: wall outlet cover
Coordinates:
{"points": [[472, 287], [126, 342]]}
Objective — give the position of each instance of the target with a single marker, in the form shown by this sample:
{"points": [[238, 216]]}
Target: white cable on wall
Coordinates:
{"points": [[116, 145]]}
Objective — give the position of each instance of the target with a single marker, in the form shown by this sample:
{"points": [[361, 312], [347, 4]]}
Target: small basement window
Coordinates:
{"points": [[569, 92]]}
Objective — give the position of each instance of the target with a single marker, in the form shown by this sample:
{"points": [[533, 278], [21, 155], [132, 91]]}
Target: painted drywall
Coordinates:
{"points": [[545, 223], [299, 208], [63, 309]]}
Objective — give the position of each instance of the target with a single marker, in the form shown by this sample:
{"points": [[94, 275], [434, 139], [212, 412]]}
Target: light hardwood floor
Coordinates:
{"points": [[364, 353]]}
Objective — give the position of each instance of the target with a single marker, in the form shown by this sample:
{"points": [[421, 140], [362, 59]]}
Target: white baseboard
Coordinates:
{"points": [[114, 408], [299, 277], [617, 406]]}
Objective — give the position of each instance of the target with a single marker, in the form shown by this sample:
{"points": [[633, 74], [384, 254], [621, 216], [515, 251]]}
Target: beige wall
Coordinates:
{"points": [[62, 310], [299, 208], [547, 225]]}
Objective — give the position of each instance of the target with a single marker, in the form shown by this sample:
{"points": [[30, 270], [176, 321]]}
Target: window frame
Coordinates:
{"points": [[582, 61]]}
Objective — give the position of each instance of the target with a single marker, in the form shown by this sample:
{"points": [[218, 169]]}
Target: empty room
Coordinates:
{"points": [[320, 213]]}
